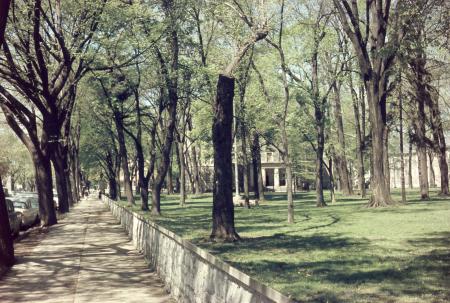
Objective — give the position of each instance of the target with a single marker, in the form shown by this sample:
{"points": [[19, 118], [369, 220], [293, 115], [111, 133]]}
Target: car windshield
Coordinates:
{"points": [[20, 204]]}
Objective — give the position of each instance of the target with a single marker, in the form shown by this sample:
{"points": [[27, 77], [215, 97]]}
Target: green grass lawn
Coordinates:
{"points": [[342, 253]]}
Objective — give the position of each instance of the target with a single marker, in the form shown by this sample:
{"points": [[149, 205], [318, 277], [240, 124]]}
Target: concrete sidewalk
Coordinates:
{"points": [[85, 258]]}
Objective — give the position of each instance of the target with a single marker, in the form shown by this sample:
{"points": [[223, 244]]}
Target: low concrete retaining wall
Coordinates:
{"points": [[191, 274]]}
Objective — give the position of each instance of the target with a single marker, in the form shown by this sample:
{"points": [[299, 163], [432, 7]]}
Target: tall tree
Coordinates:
{"points": [[284, 150], [223, 208], [169, 68], [369, 40]]}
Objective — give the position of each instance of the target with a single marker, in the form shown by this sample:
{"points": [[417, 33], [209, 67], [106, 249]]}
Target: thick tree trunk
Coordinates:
{"points": [[144, 193], [374, 71], [60, 165], [341, 165], [112, 188], [156, 199], [223, 208], [6, 240], [43, 175], [381, 195]]}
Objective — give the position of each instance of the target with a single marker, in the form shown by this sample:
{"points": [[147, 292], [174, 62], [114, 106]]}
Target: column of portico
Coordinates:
{"points": [[276, 179], [263, 172]]}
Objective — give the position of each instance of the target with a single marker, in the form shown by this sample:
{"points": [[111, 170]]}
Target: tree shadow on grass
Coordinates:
{"points": [[286, 243], [353, 270], [425, 276]]}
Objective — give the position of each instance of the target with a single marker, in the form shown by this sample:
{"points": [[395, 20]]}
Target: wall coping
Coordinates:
{"points": [[240, 277]]}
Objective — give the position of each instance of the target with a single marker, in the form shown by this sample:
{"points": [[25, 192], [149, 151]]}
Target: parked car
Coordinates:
{"points": [[14, 218], [30, 215]]}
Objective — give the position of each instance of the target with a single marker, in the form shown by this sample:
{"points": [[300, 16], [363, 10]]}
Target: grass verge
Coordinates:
{"points": [[342, 253]]}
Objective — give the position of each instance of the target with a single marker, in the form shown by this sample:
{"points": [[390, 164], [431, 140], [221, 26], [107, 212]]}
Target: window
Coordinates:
{"points": [[269, 157]]}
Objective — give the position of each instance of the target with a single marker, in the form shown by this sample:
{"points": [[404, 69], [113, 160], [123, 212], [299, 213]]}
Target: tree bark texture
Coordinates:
{"points": [[43, 175], [223, 208]]}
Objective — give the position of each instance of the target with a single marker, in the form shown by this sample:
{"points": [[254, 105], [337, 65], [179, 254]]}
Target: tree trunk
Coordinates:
{"points": [[124, 158], [73, 176], [288, 166], [112, 188], [410, 179], [431, 172], [236, 158], [170, 179], [341, 165], [386, 158], [402, 157], [320, 202], [423, 171], [245, 165], [180, 149], [381, 195], [62, 175], [43, 175], [223, 208], [257, 171], [374, 70], [330, 172], [119, 187], [166, 152], [358, 102], [439, 143], [197, 185], [420, 130], [6, 240]]}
